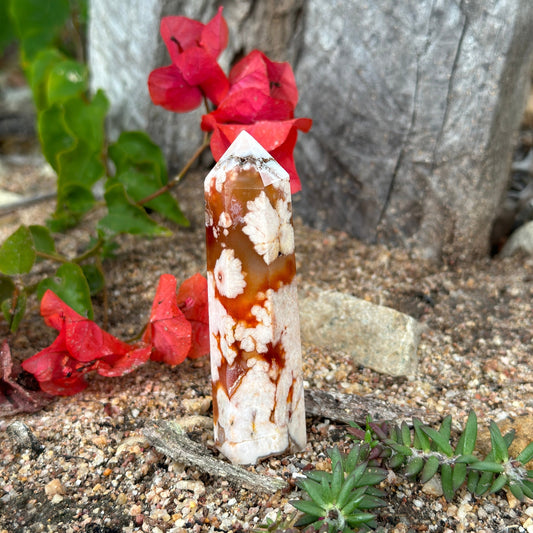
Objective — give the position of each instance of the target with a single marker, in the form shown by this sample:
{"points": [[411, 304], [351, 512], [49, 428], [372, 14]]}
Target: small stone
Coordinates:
{"points": [[194, 421], [54, 487], [375, 336], [135, 510], [197, 487], [433, 487], [198, 406], [24, 437], [520, 241]]}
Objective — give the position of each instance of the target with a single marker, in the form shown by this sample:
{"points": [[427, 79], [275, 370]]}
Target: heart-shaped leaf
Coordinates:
{"points": [[126, 217], [17, 253], [71, 286]]}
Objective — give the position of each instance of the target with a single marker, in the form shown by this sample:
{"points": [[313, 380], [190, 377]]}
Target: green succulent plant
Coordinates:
{"points": [[341, 500], [422, 452]]}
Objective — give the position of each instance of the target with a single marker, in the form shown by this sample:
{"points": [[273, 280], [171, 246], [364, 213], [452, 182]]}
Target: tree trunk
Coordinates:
{"points": [[415, 104]]}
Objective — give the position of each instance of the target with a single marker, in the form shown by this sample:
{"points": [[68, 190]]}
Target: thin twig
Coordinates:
{"points": [[179, 178], [170, 439]]}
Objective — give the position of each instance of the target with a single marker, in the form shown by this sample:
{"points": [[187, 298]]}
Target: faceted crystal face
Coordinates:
{"points": [[253, 311]]}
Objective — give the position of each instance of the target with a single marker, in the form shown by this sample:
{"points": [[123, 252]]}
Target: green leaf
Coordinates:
{"points": [[337, 479], [316, 491], [421, 440], [70, 284], [488, 466], [498, 483], [467, 441], [371, 502], [472, 481], [527, 487], [141, 185], [7, 288], [526, 454], [350, 483], [516, 490], [414, 466], [54, 134], [74, 198], [66, 79], [7, 30], [42, 240], [95, 278], [445, 431], [484, 483], [459, 475], [403, 450], [430, 468], [38, 72], [396, 461], [134, 150], [308, 507], [359, 519], [126, 217], [443, 443], [372, 476], [37, 23], [447, 481], [13, 311], [499, 446], [352, 459], [406, 434], [17, 253], [86, 120]]}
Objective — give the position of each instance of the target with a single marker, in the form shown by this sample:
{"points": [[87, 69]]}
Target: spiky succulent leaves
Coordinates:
{"points": [[430, 468], [446, 480], [414, 466], [420, 441], [440, 439], [463, 451], [467, 441], [339, 498], [488, 467], [526, 454], [499, 446], [406, 434]]}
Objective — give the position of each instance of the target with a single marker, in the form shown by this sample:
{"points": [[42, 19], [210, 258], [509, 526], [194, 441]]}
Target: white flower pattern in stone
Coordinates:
{"points": [[286, 232], [262, 227], [228, 274]]}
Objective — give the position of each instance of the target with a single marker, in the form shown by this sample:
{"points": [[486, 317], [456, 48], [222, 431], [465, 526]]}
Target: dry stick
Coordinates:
{"points": [[170, 439], [347, 408]]}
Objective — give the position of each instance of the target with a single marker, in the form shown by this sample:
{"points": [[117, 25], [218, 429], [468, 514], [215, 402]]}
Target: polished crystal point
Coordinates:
{"points": [[256, 368]]}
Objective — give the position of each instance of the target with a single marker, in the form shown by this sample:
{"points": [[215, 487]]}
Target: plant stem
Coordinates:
{"points": [[90, 252], [52, 256], [181, 175]]}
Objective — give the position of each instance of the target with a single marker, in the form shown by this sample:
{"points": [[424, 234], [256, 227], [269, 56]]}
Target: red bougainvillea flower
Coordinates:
{"points": [[260, 89], [193, 48], [80, 347], [261, 100], [168, 331], [192, 300]]}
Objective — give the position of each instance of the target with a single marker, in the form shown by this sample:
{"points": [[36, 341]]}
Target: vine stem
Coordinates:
{"points": [[172, 183]]}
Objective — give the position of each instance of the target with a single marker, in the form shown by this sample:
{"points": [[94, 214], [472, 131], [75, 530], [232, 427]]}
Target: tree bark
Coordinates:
{"points": [[415, 104]]}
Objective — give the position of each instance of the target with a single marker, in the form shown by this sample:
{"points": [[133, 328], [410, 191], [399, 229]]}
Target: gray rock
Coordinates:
{"points": [[415, 104], [520, 241], [375, 336]]}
